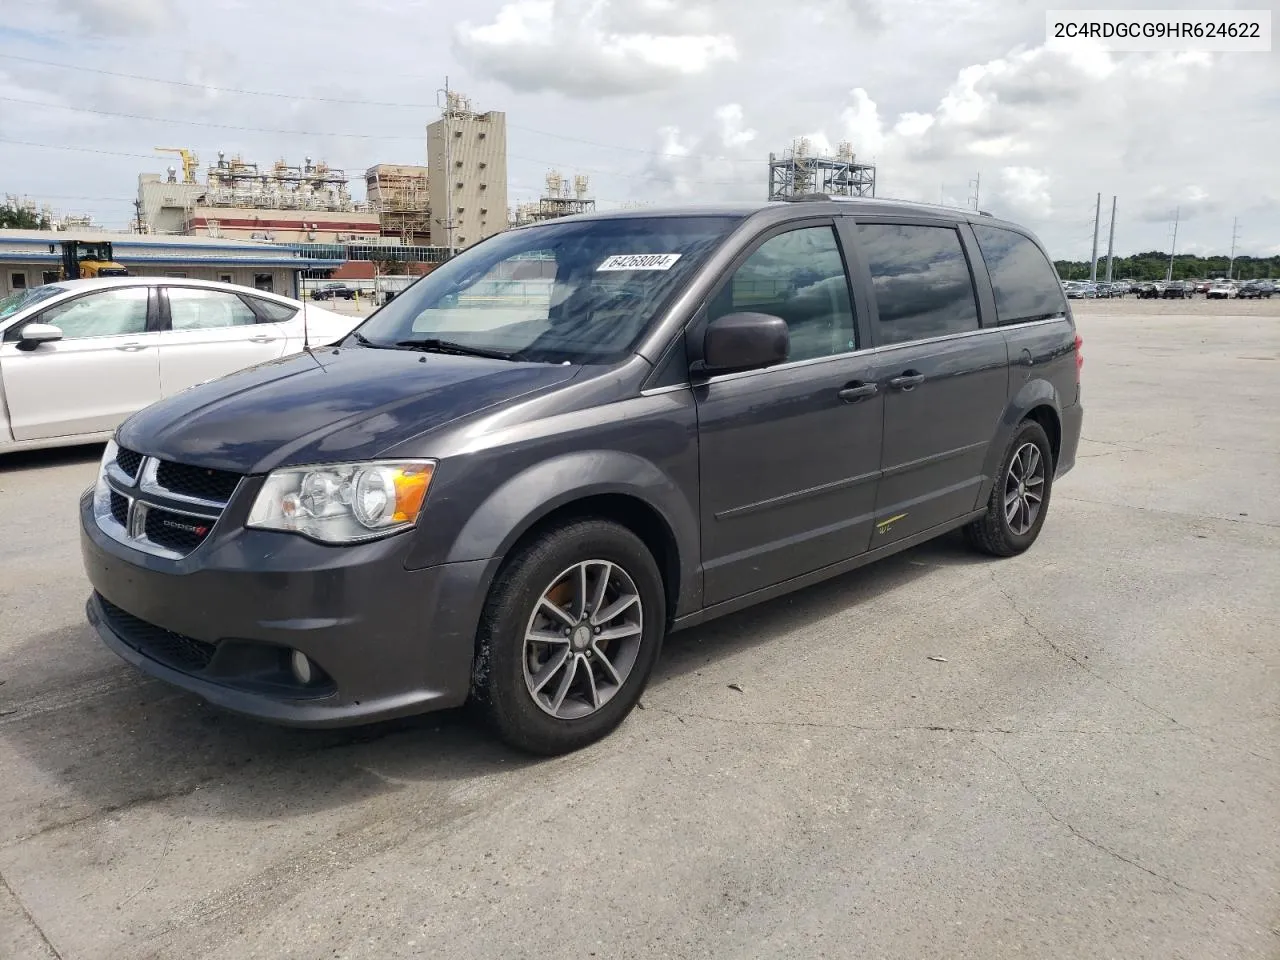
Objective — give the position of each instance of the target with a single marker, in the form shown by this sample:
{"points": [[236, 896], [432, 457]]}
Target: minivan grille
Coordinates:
{"points": [[120, 508], [200, 482], [172, 649], [128, 461], [163, 508], [179, 532]]}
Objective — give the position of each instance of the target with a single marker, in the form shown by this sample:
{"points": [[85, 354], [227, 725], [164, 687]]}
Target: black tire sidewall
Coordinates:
{"points": [[499, 685]]}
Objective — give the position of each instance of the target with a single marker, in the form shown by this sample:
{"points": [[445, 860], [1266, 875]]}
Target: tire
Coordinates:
{"points": [[507, 669], [993, 533]]}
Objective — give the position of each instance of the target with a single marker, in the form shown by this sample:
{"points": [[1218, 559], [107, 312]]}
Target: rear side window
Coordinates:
{"points": [[1025, 283], [922, 282], [269, 311]]}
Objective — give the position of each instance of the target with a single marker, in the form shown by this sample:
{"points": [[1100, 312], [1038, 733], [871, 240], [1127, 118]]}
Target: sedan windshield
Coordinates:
{"points": [[577, 292], [21, 299]]}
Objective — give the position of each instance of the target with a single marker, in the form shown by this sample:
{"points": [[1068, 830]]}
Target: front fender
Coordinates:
{"points": [[532, 494]]}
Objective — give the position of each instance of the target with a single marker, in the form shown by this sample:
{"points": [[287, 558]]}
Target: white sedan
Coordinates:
{"points": [[1221, 291], [78, 357]]}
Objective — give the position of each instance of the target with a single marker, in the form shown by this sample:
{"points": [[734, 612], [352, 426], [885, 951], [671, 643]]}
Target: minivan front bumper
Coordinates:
{"points": [[385, 641]]}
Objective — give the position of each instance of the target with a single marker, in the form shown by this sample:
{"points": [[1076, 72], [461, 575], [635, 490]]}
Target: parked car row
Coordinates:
{"points": [[1090, 289], [1173, 289]]}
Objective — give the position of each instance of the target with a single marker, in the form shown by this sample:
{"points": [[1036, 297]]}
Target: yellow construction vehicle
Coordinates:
{"points": [[82, 259]]}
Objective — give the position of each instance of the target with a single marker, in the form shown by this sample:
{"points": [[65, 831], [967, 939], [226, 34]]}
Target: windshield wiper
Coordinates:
{"points": [[434, 345], [364, 341]]}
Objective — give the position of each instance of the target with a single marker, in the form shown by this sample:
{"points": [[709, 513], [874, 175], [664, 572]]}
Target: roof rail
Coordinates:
{"points": [[808, 197]]}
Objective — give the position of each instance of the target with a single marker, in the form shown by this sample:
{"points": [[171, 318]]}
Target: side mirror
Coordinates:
{"points": [[34, 334], [744, 341]]}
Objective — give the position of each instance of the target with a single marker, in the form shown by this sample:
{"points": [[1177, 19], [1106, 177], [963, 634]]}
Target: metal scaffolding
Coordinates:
{"points": [[560, 200], [400, 195], [313, 186], [798, 171]]}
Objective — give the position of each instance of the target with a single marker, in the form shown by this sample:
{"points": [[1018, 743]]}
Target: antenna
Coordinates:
{"points": [[306, 333]]}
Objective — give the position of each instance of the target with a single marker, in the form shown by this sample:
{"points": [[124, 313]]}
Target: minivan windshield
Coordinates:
{"points": [[575, 291]]}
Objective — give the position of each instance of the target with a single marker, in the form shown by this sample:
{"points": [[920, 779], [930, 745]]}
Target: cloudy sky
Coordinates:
{"points": [[657, 100]]}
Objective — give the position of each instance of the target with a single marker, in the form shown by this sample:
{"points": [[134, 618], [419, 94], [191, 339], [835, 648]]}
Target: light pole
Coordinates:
{"points": [[1235, 235], [1173, 246]]}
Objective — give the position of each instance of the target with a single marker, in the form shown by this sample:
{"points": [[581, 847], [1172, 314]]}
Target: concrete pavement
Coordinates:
{"points": [[1092, 770]]}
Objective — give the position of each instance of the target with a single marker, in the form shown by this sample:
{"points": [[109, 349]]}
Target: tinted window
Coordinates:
{"points": [[191, 309], [921, 279], [798, 276], [269, 311], [577, 291], [1025, 283], [106, 314]]}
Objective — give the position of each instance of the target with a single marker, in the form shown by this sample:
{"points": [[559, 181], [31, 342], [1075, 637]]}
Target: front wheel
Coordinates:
{"points": [[569, 635], [1019, 497]]}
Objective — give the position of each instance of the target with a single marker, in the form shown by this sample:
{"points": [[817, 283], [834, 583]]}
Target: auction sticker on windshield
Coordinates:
{"points": [[639, 261]]}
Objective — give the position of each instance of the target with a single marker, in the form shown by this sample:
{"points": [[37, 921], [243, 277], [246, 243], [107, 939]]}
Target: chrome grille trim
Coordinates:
{"points": [[143, 495], [148, 483]]}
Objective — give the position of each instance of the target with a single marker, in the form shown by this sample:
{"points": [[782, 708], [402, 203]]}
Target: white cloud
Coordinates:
{"points": [[936, 92], [732, 133], [117, 16], [595, 48]]}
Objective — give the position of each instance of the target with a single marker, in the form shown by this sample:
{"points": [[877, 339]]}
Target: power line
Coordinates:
{"points": [[348, 101], [63, 146]]}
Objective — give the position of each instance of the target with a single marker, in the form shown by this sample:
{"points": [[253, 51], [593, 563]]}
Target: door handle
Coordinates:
{"points": [[131, 347], [908, 381], [857, 391], [261, 338]]}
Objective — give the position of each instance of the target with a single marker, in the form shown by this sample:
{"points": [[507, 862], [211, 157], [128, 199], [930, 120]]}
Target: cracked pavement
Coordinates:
{"points": [[1092, 768]]}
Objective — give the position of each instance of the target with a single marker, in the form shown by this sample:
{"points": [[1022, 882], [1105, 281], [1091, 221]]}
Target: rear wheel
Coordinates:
{"points": [[1019, 498], [569, 635]]}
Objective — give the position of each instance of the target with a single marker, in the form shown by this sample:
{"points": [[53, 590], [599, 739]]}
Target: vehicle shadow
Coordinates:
{"points": [[21, 461], [107, 738]]}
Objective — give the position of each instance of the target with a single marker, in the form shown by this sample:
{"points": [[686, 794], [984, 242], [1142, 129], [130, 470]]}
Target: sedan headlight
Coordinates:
{"points": [[343, 502]]}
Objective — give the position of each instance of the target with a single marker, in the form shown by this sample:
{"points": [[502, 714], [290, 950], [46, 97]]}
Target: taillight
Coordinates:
{"points": [[1079, 354]]}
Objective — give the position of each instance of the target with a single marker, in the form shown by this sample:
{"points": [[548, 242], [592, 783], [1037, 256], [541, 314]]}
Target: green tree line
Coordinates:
{"points": [[13, 217], [1154, 265]]}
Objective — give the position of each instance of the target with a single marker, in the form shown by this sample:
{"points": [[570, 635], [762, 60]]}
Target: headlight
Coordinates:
{"points": [[343, 502]]}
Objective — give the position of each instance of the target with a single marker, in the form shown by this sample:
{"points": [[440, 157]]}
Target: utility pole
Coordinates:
{"points": [[1235, 235], [447, 220], [1174, 246], [1093, 259], [137, 206], [1111, 239]]}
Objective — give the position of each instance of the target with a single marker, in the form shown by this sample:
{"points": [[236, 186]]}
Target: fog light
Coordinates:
{"points": [[301, 667]]}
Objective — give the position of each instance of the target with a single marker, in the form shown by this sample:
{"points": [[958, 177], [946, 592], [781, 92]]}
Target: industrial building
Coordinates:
{"points": [[799, 171], [400, 195], [559, 200], [29, 258], [467, 157], [307, 203]]}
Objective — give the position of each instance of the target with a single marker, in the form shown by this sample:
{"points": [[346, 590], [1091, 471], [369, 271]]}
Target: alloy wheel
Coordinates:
{"points": [[582, 639], [1024, 488]]}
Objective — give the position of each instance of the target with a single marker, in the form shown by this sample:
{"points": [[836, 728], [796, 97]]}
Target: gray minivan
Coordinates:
{"points": [[514, 479]]}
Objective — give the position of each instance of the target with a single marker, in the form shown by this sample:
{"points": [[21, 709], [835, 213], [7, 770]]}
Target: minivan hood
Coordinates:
{"points": [[326, 406]]}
